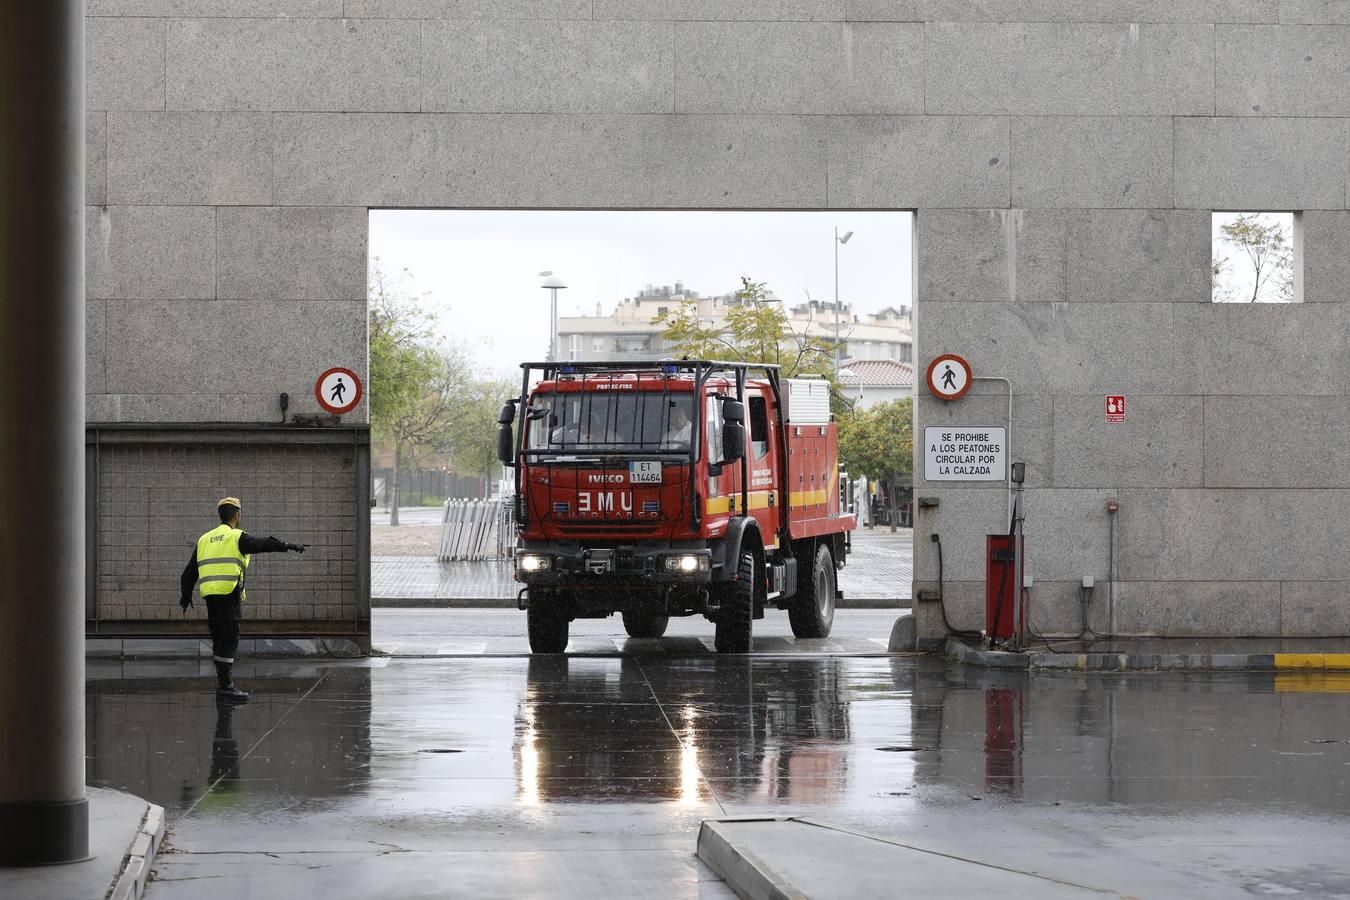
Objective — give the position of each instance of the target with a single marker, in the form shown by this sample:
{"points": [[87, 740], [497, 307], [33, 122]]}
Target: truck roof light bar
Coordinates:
{"points": [[649, 365]]}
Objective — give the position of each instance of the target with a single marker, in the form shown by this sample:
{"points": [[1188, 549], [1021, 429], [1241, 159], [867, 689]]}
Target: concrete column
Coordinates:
{"points": [[43, 810]]}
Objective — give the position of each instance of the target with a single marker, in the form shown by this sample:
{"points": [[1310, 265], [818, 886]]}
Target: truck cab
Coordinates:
{"points": [[673, 488]]}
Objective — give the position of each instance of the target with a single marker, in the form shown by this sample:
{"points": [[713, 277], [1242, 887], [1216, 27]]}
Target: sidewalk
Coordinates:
{"points": [[1166, 654], [877, 576]]}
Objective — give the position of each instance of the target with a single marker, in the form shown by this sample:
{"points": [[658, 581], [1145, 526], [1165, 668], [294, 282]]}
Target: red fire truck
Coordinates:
{"points": [[674, 488]]}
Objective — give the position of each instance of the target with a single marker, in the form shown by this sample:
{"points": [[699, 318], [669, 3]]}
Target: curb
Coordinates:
{"points": [[510, 603], [130, 881], [987, 659], [1147, 662], [183, 647], [733, 862], [442, 602], [871, 603]]}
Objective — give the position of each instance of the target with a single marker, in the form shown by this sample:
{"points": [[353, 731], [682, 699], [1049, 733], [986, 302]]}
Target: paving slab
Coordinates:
{"points": [[789, 858], [124, 833]]}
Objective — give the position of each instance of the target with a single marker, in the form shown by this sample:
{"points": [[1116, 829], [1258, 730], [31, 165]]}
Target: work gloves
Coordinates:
{"points": [[186, 603], [298, 548]]}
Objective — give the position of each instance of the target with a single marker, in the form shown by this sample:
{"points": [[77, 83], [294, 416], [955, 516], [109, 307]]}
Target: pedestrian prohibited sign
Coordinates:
{"points": [[949, 377], [338, 390]]}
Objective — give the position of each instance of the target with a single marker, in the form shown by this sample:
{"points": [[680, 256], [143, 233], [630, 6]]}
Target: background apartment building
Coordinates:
{"points": [[630, 333]]}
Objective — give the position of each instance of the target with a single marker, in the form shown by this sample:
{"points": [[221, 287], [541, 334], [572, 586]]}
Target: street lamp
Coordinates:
{"points": [[838, 356], [849, 374], [553, 284]]}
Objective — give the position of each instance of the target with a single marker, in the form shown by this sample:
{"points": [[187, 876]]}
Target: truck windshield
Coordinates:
{"points": [[612, 420]]}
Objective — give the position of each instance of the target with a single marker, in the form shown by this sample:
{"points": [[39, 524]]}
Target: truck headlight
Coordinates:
{"points": [[531, 562], [686, 564]]}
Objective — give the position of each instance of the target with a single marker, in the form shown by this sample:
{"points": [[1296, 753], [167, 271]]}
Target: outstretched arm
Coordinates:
{"points": [[188, 581], [250, 544]]}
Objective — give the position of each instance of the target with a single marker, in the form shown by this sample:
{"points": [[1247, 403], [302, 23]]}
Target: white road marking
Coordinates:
{"points": [[462, 648]]}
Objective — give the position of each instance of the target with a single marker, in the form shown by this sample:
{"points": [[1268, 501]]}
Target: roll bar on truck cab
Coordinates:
{"points": [[674, 488]]}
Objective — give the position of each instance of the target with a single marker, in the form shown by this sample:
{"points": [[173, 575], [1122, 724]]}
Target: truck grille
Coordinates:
{"points": [[625, 526]]}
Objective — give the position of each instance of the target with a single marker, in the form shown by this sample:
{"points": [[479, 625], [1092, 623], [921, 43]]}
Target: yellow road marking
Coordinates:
{"points": [[1299, 661], [1312, 682]]}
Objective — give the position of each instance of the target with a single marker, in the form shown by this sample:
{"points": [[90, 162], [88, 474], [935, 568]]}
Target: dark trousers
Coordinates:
{"points": [[222, 616]]}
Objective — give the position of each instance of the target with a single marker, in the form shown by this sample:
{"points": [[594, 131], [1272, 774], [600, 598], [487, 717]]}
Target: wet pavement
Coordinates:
{"points": [[407, 515], [478, 632], [394, 578], [588, 777], [879, 572]]}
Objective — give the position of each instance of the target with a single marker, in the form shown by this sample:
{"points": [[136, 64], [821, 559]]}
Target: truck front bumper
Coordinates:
{"points": [[554, 566]]}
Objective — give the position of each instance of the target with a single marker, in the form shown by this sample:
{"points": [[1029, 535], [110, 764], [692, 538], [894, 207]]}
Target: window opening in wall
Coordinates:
{"points": [[1255, 257]]}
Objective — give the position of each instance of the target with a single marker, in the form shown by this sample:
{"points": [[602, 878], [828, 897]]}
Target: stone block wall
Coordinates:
{"points": [[1063, 158], [154, 492]]}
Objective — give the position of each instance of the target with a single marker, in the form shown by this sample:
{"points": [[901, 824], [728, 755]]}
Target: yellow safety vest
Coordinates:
{"points": [[220, 565]]}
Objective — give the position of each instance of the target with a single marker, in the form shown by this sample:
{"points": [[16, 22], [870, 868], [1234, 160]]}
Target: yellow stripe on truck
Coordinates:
{"points": [[809, 498], [758, 500]]}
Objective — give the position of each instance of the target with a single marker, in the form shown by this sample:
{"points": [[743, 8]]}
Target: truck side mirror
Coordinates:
{"points": [[733, 441], [507, 414], [506, 444], [733, 411]]}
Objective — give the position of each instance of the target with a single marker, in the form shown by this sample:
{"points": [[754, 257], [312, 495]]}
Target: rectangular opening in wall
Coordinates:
{"points": [[1256, 257], [481, 291]]}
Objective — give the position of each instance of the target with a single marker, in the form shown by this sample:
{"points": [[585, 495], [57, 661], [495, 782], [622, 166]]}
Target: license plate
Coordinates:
{"points": [[644, 473]]}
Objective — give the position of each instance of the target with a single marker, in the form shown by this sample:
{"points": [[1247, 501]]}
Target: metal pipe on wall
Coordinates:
{"points": [[43, 806], [1008, 449]]}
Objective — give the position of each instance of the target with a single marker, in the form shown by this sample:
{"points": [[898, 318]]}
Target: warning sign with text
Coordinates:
{"points": [[965, 453]]}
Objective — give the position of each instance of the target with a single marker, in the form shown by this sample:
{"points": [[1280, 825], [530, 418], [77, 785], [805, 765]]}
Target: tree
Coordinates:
{"points": [[879, 442], [410, 378], [756, 330], [1265, 255], [474, 444]]}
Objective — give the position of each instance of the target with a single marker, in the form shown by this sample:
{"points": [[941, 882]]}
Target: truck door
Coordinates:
{"points": [[765, 465]]}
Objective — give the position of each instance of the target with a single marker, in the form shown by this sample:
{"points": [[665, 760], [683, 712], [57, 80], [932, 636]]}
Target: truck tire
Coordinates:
{"points": [[644, 624], [547, 627], [812, 610], [736, 619]]}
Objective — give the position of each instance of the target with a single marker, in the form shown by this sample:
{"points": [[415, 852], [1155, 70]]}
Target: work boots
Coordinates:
{"points": [[224, 687]]}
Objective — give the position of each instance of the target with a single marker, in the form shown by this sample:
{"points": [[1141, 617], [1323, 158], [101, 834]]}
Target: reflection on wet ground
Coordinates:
{"points": [[589, 776]]}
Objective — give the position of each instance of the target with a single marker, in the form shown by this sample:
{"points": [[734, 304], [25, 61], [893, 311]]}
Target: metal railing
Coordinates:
{"points": [[473, 530]]}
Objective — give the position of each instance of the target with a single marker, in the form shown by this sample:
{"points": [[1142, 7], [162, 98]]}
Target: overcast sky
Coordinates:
{"points": [[482, 267]]}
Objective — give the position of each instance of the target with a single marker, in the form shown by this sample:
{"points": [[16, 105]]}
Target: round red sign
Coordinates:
{"points": [[949, 377], [338, 390]]}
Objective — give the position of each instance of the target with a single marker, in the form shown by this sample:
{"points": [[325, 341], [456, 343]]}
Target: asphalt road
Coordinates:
{"points": [[420, 632]]}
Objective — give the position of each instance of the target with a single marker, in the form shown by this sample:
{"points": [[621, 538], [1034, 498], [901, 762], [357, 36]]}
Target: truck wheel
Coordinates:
{"points": [[736, 620], [548, 628], [642, 624], [812, 610]]}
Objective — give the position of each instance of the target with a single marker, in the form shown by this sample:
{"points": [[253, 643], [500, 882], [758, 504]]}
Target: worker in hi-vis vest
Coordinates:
{"points": [[218, 565]]}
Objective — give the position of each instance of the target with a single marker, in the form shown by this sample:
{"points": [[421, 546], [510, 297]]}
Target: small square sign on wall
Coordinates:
{"points": [[1115, 408]]}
